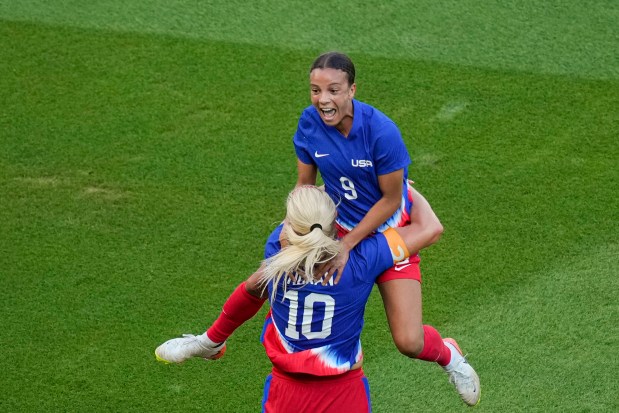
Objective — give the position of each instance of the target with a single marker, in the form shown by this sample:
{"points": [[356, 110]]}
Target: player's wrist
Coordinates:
{"points": [[347, 244]]}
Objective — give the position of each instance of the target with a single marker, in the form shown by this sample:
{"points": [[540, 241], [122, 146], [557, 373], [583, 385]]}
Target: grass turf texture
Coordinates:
{"points": [[142, 169]]}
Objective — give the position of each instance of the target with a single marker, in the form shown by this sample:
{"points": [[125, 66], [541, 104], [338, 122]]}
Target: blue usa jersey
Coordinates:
{"points": [[350, 166], [315, 329]]}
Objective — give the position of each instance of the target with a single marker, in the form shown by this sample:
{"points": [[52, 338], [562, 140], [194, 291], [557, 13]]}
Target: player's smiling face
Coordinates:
{"points": [[332, 96]]}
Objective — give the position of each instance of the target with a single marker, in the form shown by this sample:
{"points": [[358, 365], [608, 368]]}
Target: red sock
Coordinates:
{"points": [[238, 308], [433, 347]]}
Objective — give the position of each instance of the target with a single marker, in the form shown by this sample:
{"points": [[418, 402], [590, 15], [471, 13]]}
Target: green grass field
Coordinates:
{"points": [[146, 153]]}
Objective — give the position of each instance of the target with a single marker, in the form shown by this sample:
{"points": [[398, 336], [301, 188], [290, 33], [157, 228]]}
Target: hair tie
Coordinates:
{"points": [[315, 226]]}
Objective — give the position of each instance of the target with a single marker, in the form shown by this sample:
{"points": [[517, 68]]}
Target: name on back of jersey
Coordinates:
{"points": [[297, 280]]}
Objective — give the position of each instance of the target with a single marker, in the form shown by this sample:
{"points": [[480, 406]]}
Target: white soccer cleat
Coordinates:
{"points": [[462, 375], [182, 348]]}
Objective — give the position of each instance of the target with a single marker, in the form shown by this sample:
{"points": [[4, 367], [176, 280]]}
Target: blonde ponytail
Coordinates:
{"points": [[310, 231]]}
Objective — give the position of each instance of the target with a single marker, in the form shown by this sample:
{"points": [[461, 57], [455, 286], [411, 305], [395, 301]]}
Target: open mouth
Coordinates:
{"points": [[328, 114]]}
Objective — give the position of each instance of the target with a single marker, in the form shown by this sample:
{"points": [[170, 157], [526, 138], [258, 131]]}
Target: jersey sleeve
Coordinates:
{"points": [[390, 152], [273, 245], [300, 140], [373, 256], [378, 253]]}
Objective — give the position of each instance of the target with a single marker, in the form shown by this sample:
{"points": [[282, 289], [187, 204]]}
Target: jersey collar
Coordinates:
{"points": [[357, 120]]}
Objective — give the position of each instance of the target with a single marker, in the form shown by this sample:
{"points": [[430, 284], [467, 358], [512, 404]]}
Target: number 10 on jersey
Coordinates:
{"points": [[307, 307]]}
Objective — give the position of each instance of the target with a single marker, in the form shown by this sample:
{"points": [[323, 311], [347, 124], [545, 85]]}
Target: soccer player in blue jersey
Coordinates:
{"points": [[363, 162], [312, 334]]}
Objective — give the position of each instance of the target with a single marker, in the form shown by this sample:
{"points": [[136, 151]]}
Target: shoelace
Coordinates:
{"points": [[456, 376], [193, 340]]}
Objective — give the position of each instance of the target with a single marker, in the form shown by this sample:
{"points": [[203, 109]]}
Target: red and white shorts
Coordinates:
{"points": [[407, 269], [301, 393]]}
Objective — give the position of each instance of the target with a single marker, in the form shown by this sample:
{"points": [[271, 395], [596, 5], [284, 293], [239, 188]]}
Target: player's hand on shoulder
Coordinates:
{"points": [[334, 267]]}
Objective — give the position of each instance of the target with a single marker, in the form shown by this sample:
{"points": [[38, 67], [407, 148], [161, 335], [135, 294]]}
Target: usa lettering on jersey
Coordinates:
{"points": [[361, 163]]}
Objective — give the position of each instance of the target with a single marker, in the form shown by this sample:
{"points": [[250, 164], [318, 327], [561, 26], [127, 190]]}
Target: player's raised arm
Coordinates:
{"points": [[306, 173], [425, 228]]}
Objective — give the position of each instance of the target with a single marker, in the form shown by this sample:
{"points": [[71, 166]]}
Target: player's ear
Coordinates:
{"points": [[352, 90]]}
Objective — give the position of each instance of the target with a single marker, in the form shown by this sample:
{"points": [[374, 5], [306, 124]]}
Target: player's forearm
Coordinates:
{"points": [[425, 228], [376, 216], [417, 237], [306, 174]]}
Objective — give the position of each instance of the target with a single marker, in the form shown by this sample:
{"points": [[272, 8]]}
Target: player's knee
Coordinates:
{"points": [[253, 287], [409, 344]]}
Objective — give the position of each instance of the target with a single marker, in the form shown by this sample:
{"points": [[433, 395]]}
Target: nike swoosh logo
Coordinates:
{"points": [[320, 155], [400, 268]]}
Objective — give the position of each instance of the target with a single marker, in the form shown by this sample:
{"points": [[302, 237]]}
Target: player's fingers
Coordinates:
{"points": [[328, 274], [321, 270], [339, 275], [327, 277]]}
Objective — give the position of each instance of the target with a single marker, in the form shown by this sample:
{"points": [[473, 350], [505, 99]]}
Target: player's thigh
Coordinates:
{"points": [[402, 301]]}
